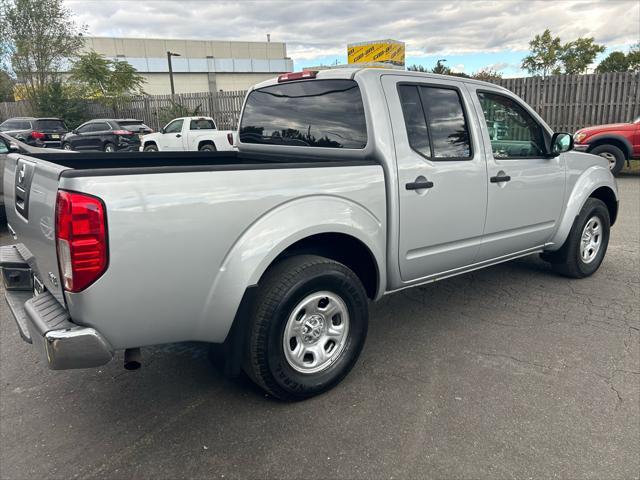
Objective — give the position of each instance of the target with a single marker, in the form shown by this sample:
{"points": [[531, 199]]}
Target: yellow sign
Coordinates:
{"points": [[382, 51]]}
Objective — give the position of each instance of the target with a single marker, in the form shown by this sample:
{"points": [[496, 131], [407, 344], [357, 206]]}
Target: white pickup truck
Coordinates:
{"points": [[347, 185], [188, 134]]}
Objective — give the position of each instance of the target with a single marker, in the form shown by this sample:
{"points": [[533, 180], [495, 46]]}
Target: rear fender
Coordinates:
{"points": [[589, 181], [264, 240]]}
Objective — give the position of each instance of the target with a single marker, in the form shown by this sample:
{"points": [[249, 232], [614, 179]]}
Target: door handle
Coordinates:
{"points": [[419, 185], [500, 178], [178, 135]]}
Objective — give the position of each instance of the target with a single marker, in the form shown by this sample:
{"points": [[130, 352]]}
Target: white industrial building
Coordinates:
{"points": [[203, 65]]}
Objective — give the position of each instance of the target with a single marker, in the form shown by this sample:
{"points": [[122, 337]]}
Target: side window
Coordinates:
{"points": [[447, 123], [414, 119], [512, 130], [435, 121], [174, 127], [201, 124], [100, 127], [84, 128]]}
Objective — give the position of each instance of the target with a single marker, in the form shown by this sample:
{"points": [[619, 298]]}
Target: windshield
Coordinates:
{"points": [[133, 125]]}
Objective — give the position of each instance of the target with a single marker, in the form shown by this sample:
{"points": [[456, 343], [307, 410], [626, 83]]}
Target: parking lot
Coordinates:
{"points": [[509, 372]]}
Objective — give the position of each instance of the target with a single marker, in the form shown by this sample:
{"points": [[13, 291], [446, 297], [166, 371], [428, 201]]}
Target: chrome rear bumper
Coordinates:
{"points": [[45, 323]]}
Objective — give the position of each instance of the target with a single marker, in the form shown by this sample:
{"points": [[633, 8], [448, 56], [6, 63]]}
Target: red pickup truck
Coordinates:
{"points": [[616, 142]]}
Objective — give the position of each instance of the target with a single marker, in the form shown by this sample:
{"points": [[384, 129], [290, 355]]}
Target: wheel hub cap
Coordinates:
{"points": [[591, 240], [316, 332]]}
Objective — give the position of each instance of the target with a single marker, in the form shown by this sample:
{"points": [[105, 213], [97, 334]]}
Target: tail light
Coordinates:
{"points": [[230, 138], [37, 135], [81, 239], [122, 132], [288, 77]]}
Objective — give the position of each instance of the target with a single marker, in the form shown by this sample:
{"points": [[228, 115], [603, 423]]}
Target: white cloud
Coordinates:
{"points": [[314, 29], [459, 68]]}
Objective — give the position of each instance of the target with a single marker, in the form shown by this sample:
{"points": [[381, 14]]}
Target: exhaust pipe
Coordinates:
{"points": [[132, 359]]}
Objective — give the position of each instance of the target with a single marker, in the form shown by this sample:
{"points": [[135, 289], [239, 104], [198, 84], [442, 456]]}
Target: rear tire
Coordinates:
{"points": [[109, 147], [151, 148], [66, 146], [208, 148], [586, 245], [613, 154], [307, 329]]}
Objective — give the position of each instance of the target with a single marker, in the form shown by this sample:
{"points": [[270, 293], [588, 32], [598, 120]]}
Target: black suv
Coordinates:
{"points": [[37, 132], [108, 135]]}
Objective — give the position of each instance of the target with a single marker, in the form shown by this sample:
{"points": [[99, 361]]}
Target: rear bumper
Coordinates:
{"points": [[46, 324]]}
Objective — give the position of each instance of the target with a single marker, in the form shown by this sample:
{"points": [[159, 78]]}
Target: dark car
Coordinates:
{"points": [[37, 132], [108, 135]]}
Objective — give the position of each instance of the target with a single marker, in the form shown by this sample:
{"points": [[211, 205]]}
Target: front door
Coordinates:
{"points": [[441, 173], [526, 186], [171, 139]]}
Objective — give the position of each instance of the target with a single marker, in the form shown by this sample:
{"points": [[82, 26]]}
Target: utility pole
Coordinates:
{"points": [[169, 55]]}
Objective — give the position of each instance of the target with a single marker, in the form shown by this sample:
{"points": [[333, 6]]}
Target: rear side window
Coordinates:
{"points": [[435, 121], [316, 113], [51, 125], [202, 124]]}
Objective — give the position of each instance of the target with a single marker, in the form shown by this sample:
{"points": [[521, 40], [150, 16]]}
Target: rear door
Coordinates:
{"points": [[171, 139], [441, 172], [526, 187]]}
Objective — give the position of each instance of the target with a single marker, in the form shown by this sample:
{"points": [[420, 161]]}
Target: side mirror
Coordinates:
{"points": [[74, 131], [14, 148], [162, 131], [561, 142]]}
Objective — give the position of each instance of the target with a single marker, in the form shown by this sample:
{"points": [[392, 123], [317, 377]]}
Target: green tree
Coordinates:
{"points": [[545, 55], [618, 61], [576, 56], [61, 100], [633, 57], [39, 36], [441, 68], [487, 75], [6, 87], [104, 79], [614, 62], [417, 68]]}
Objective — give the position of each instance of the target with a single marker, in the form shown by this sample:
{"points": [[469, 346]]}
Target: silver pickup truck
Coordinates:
{"points": [[348, 185]]}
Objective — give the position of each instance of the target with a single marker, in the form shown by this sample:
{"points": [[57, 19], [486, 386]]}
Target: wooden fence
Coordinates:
{"points": [[566, 102], [570, 102]]}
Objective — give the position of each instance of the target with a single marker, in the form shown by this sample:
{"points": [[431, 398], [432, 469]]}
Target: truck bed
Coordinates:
{"points": [[100, 163], [185, 230]]}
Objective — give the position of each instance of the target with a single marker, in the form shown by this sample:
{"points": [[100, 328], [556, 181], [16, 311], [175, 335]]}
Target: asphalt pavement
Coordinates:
{"points": [[508, 372]]}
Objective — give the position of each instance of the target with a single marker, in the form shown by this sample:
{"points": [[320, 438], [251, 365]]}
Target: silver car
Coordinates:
{"points": [[348, 185]]}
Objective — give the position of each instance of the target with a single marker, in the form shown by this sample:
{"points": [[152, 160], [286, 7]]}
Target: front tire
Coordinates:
{"points": [[109, 147], [308, 327], [67, 146], [151, 148], [613, 154], [586, 245]]}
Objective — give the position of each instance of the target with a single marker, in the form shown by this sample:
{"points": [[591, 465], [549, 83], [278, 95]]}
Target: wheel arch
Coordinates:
{"points": [[594, 182], [615, 140], [202, 143], [149, 142], [360, 243]]}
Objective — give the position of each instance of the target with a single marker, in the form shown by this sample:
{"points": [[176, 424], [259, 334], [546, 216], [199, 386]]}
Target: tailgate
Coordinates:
{"points": [[30, 189]]}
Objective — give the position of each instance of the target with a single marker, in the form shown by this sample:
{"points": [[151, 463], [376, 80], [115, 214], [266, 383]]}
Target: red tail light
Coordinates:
{"points": [[122, 132], [37, 135], [230, 138], [81, 239], [288, 77]]}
